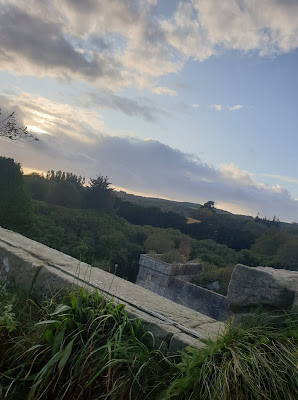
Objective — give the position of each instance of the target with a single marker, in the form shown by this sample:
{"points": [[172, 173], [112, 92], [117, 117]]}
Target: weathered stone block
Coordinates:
{"points": [[262, 287], [17, 268], [50, 282]]}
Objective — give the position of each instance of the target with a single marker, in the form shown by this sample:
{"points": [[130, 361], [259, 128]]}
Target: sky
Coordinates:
{"points": [[190, 100]]}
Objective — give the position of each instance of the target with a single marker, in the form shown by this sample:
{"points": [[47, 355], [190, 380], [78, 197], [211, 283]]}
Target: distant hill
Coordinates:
{"points": [[181, 207], [184, 208]]}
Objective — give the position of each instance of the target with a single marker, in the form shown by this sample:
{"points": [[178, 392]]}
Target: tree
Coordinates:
{"points": [[10, 129], [99, 195], [209, 205], [62, 176], [15, 204]]}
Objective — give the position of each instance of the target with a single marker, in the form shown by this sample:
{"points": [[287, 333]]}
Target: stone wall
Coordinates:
{"points": [[43, 271], [174, 283]]}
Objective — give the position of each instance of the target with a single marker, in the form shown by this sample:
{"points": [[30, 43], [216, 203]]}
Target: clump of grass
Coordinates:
{"points": [[256, 362], [87, 348]]}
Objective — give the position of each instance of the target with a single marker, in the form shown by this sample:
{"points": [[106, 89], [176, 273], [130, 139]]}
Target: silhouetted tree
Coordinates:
{"points": [[99, 195], [15, 204], [209, 205], [60, 176]]}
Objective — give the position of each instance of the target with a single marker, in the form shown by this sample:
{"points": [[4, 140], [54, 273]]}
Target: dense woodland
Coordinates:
{"points": [[90, 222]]}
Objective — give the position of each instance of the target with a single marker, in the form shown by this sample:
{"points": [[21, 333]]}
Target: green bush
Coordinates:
{"points": [[160, 242], [173, 257], [211, 273]]}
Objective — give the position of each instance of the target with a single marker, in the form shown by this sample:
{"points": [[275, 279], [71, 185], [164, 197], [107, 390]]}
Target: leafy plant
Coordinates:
{"points": [[8, 318]]}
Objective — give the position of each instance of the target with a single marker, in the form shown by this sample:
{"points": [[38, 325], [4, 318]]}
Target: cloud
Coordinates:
{"points": [[137, 107], [195, 106], [77, 141], [217, 107], [125, 43], [201, 28], [164, 90], [31, 45], [289, 179], [235, 108], [109, 43]]}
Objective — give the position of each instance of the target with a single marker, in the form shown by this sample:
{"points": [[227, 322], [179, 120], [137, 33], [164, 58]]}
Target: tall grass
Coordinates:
{"points": [[84, 347], [256, 362]]}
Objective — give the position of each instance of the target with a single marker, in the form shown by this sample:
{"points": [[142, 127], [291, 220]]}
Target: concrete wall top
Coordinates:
{"points": [[153, 262], [34, 266]]}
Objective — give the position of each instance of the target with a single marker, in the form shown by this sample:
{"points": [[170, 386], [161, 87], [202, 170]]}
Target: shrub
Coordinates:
{"points": [[173, 257], [160, 242]]}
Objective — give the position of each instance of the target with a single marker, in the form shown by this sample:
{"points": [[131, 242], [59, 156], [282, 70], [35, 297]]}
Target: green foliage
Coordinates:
{"points": [[257, 362], [99, 195], [66, 194], [7, 319], [212, 273], [15, 204], [153, 216], [213, 253], [60, 188], [160, 242], [37, 186], [84, 347], [209, 205], [279, 250], [173, 257], [61, 176], [90, 236]]}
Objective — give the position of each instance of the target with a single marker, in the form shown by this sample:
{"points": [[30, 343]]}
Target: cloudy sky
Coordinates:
{"points": [[190, 100]]}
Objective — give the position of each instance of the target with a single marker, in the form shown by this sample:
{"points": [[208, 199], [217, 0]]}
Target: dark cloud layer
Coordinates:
{"points": [[43, 44]]}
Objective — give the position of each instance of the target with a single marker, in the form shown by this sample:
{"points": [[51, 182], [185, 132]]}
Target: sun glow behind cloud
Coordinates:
{"points": [[35, 129]]}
